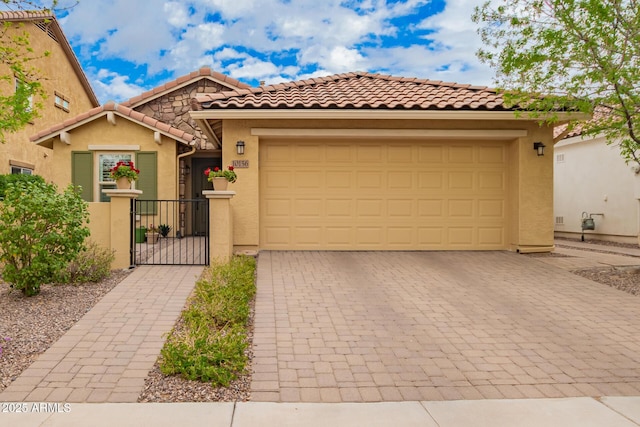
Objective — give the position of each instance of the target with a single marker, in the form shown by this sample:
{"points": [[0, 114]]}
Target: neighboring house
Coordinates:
{"points": [[361, 161], [591, 179], [64, 81]]}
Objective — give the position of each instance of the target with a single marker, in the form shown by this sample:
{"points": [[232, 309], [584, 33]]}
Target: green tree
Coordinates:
{"points": [[22, 80], [41, 231], [571, 55]]}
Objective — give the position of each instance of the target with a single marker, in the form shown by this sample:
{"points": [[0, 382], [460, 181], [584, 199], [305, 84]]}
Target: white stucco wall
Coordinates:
{"points": [[591, 176]]}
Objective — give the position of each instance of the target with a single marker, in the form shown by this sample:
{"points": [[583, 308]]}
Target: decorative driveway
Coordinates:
{"points": [[391, 326]]}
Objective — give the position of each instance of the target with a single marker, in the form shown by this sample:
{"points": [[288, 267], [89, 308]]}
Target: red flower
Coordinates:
{"points": [[230, 168], [206, 172], [216, 169]]}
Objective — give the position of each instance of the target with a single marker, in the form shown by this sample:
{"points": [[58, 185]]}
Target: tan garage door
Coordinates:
{"points": [[391, 195]]}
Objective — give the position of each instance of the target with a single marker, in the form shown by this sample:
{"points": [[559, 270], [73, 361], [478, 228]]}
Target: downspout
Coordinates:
{"points": [[180, 187]]}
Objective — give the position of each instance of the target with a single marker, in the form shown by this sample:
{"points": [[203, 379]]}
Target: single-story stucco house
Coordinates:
{"points": [[354, 161]]}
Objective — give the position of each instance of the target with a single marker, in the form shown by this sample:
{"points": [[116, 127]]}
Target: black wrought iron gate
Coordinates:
{"points": [[170, 232]]}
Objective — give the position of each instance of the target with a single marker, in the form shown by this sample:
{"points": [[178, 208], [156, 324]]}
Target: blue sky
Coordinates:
{"points": [[129, 46]]}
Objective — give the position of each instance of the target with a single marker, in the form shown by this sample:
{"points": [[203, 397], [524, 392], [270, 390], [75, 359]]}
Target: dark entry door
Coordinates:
{"points": [[200, 183]]}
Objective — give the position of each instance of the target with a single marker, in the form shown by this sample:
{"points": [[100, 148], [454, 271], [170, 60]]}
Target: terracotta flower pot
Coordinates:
{"points": [[220, 184], [123, 183]]}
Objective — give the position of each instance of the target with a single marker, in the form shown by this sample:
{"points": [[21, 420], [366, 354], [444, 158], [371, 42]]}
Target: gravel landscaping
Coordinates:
{"points": [[28, 326]]}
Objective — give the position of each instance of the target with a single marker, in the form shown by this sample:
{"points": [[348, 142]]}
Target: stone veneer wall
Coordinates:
{"points": [[173, 109]]}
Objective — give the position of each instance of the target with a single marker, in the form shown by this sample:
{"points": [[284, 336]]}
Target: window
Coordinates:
{"points": [[107, 161], [21, 170], [61, 102], [90, 171]]}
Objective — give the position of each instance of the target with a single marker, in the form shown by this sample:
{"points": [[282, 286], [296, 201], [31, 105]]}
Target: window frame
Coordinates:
{"points": [[108, 184]]}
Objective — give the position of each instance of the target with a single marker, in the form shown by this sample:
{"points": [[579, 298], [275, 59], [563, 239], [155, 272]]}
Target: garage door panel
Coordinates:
{"points": [[375, 196], [431, 153], [431, 180], [369, 208], [339, 208], [308, 180], [308, 207], [400, 180], [369, 180], [370, 236], [431, 208], [488, 181], [401, 236], [460, 180], [400, 208], [370, 153], [461, 208], [339, 180], [308, 153], [400, 154]]}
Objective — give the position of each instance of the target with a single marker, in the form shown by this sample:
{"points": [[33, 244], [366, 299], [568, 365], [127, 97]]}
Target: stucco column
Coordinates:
{"points": [[220, 225], [120, 225]]}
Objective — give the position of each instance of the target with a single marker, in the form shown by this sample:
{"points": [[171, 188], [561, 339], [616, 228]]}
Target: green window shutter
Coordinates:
{"points": [[147, 163], [82, 173]]}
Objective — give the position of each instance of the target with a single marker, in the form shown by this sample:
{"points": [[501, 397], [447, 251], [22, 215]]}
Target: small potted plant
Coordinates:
{"points": [[221, 178], [152, 235], [123, 173], [164, 229]]}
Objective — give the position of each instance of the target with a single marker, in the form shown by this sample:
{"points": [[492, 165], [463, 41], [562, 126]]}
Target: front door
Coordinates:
{"points": [[200, 183]]}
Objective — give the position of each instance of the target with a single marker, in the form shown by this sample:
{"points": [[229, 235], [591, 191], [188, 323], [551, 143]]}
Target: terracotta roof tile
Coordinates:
{"points": [[120, 109], [180, 81], [359, 90]]}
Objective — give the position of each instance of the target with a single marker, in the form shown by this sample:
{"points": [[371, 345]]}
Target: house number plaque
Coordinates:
{"points": [[240, 163]]}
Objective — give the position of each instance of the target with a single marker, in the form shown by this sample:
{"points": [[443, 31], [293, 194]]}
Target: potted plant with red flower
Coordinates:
{"points": [[123, 173], [221, 178]]}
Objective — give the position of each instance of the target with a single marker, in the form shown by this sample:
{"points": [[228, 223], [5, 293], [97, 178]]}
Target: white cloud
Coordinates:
{"points": [[276, 40], [113, 86]]}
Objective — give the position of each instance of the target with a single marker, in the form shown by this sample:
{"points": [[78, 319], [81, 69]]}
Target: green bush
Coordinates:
{"points": [[41, 231], [20, 179], [211, 344], [92, 264]]}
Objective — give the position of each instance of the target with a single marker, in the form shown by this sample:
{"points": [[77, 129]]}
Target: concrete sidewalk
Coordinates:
{"points": [[571, 412]]}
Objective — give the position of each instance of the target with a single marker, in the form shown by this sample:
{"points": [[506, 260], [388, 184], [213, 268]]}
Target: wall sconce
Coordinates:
{"points": [[187, 170], [240, 147], [539, 147]]}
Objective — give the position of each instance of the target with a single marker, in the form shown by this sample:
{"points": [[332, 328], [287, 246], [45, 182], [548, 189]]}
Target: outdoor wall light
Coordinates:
{"points": [[240, 147], [539, 147], [187, 170]]}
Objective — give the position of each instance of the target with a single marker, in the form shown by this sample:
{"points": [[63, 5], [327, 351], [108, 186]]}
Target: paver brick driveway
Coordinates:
{"points": [[372, 326]]}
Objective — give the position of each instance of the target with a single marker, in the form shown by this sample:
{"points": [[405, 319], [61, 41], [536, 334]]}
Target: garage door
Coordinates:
{"points": [[391, 195]]}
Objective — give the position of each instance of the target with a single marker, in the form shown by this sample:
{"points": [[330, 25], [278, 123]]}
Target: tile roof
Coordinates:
{"points": [[122, 111], [54, 28], [359, 90], [183, 81]]}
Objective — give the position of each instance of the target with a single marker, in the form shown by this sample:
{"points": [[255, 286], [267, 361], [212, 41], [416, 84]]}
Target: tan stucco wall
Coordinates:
{"points": [[99, 215], [58, 76], [125, 132], [530, 176]]}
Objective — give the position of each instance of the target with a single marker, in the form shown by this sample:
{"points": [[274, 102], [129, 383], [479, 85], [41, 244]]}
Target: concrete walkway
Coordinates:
{"points": [[575, 412], [106, 356]]}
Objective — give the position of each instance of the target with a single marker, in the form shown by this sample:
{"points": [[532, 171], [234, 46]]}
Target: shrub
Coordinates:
{"points": [[211, 342], [20, 179], [92, 264], [41, 231]]}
